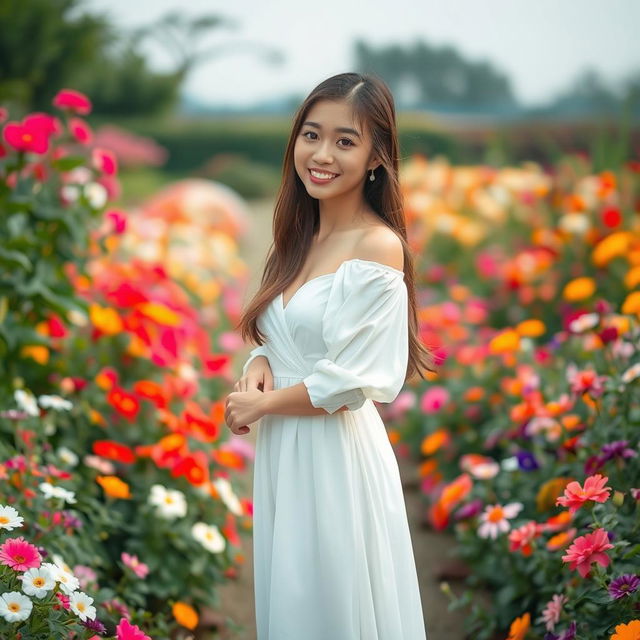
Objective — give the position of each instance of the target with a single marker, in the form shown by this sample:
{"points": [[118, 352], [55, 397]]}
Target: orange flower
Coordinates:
{"points": [[106, 319], [579, 289], [561, 540], [228, 458], [631, 303], [434, 441], [632, 277], [614, 245], [629, 631], [185, 615], [37, 352], [531, 328], [114, 451], [194, 467], [456, 491], [114, 486], [473, 394], [124, 403], [519, 627], [505, 342]]}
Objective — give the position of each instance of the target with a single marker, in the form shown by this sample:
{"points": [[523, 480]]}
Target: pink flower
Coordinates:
{"points": [[521, 538], [585, 380], [551, 613], [104, 161], [139, 568], [587, 549], [64, 600], [575, 496], [127, 631], [434, 399], [72, 100], [25, 138], [80, 130], [18, 554]]}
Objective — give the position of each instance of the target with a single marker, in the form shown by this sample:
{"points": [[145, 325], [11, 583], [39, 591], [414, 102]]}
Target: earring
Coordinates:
{"points": [[371, 176]]}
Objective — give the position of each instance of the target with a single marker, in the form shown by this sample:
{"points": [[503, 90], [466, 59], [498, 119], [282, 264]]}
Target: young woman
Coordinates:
{"points": [[335, 320]]}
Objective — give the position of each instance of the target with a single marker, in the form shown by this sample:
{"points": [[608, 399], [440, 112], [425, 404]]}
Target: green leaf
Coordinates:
{"points": [[68, 162], [8, 258]]}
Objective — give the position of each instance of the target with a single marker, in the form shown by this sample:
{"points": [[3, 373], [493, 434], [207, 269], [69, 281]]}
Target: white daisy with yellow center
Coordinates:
{"points": [[15, 607], [9, 518], [209, 536], [37, 582], [80, 604]]}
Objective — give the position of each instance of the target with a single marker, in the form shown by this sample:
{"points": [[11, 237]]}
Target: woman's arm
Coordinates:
{"points": [[292, 401]]}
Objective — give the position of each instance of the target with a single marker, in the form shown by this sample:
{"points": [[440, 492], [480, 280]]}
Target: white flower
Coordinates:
{"points": [[584, 322], [70, 193], [80, 604], [68, 582], [37, 582], [78, 318], [170, 503], [209, 536], [9, 518], [80, 175], [494, 519], [631, 373], [55, 402], [96, 194], [67, 456], [57, 492], [510, 464], [26, 402], [576, 223], [14, 606], [59, 560], [228, 496]]}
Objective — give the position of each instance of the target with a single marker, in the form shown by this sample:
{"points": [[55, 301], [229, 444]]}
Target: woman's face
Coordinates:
{"points": [[330, 141]]}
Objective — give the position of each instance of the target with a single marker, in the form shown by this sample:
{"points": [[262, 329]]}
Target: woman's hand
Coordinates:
{"points": [[243, 401]]}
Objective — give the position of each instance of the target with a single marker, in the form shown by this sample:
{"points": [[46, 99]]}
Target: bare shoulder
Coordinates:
{"points": [[381, 244]]}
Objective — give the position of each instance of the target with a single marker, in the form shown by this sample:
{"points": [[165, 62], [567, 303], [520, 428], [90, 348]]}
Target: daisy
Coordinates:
{"points": [[55, 402], [494, 519], [9, 518], [625, 585], [80, 604], [170, 503], [575, 495], [208, 536], [26, 402], [57, 492], [15, 607], [18, 554], [37, 582], [68, 582], [228, 496]]}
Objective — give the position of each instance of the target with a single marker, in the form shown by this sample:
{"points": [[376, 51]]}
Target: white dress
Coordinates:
{"points": [[332, 549]]}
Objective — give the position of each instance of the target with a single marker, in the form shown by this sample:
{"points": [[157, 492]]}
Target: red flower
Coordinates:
{"points": [[80, 130], [25, 138], [126, 404], [73, 100], [194, 467], [114, 451], [611, 217]]}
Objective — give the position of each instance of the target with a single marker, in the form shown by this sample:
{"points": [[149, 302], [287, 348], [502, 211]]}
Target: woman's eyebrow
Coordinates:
{"points": [[338, 129]]}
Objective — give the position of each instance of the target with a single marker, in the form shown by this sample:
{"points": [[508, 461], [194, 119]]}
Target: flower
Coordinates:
{"points": [[114, 487], [26, 402], [575, 495], [67, 456], [80, 604], [170, 503], [584, 322], [519, 627], [569, 634], [94, 625], [18, 554], [185, 615], [36, 582], [617, 449], [434, 399], [68, 582], [73, 100], [629, 631], [631, 373], [551, 613], [228, 496], [55, 402], [588, 549], [127, 631], [15, 607], [521, 538], [139, 568], [51, 491], [494, 519], [208, 536], [624, 585], [9, 518]]}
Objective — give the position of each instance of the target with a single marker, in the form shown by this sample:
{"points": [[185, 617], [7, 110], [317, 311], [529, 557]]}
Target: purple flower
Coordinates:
{"points": [[527, 461], [569, 634], [625, 585], [469, 510], [617, 449], [94, 625]]}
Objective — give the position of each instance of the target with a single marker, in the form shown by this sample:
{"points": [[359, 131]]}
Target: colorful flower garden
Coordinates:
{"points": [[119, 510]]}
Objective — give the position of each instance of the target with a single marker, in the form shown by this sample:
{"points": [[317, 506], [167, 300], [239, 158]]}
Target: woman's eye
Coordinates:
{"points": [[314, 133]]}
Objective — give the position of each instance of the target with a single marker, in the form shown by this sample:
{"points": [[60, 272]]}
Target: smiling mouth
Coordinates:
{"points": [[326, 173]]}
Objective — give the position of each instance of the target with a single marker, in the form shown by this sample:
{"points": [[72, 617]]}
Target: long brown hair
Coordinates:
{"points": [[296, 216]]}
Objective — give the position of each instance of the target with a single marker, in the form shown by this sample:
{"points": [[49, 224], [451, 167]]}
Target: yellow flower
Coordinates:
{"points": [[105, 319], [531, 328], [160, 313], [185, 615], [114, 486], [614, 245], [579, 289]]}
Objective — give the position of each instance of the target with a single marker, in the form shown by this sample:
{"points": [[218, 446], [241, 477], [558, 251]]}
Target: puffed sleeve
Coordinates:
{"points": [[365, 329], [260, 350]]}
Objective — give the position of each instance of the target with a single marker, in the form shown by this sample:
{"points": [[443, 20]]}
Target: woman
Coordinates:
{"points": [[336, 325]]}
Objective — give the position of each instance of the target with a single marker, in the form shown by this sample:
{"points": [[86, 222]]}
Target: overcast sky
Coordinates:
{"points": [[541, 45]]}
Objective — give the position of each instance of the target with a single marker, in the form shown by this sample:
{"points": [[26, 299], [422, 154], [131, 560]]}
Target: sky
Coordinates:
{"points": [[540, 45]]}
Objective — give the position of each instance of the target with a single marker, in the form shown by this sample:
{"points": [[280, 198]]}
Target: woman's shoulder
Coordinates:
{"points": [[382, 245]]}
